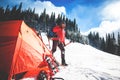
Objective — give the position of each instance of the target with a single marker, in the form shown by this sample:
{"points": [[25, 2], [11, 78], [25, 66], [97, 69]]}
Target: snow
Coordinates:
{"points": [[87, 63]]}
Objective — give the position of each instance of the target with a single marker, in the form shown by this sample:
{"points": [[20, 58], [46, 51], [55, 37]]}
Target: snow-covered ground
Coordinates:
{"points": [[87, 63]]}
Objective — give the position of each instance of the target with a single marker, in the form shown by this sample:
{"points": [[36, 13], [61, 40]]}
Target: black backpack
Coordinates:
{"points": [[51, 34]]}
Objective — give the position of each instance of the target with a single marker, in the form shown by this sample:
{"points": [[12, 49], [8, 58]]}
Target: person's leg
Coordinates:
{"points": [[54, 46], [61, 46], [63, 57]]}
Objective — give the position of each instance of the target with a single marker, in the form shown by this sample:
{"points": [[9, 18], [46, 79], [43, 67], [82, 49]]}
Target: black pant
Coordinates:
{"points": [[61, 46]]}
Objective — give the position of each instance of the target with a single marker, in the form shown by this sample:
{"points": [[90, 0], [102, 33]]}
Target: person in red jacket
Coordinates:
{"points": [[60, 40]]}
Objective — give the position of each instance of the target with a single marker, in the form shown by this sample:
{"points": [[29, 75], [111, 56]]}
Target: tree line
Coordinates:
{"points": [[109, 44], [42, 22], [45, 22]]}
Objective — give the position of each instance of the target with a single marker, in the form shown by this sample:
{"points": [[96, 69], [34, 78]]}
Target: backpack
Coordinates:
{"points": [[51, 34]]}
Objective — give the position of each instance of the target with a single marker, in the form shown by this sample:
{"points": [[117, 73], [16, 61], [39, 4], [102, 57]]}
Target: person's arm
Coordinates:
{"points": [[56, 29]]}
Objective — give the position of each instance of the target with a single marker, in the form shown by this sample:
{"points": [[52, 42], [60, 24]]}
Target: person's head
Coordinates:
{"points": [[62, 24]]}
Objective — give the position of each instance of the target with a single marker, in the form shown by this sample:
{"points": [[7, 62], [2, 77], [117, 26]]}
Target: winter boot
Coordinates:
{"points": [[63, 59]]}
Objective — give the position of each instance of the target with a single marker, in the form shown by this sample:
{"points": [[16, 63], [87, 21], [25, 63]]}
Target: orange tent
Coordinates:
{"points": [[20, 48]]}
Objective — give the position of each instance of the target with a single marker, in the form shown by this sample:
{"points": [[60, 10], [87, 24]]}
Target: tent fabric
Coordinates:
{"points": [[20, 48], [8, 39]]}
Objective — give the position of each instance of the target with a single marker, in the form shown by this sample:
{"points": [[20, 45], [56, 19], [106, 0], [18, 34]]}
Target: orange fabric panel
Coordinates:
{"points": [[10, 28], [26, 58], [20, 48], [29, 51], [8, 37], [6, 55]]}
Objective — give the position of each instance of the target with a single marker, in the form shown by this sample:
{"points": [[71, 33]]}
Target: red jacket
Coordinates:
{"points": [[60, 33]]}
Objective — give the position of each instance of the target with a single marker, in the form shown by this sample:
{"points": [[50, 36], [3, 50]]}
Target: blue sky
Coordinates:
{"points": [[89, 14]]}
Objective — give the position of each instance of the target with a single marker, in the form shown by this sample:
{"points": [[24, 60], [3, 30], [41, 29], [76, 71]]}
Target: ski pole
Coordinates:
{"points": [[68, 43]]}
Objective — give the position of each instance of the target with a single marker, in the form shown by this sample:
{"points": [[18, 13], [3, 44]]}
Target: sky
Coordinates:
{"points": [[91, 15]]}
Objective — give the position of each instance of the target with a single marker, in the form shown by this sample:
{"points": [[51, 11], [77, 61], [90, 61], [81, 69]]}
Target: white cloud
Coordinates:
{"points": [[40, 6], [110, 19], [112, 11], [106, 27]]}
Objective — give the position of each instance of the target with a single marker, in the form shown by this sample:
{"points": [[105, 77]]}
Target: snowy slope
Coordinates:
{"points": [[87, 63]]}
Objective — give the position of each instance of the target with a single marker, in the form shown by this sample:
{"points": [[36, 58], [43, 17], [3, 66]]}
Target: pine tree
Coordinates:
{"points": [[102, 46], [1, 13], [113, 44], [118, 47], [7, 13], [19, 12], [110, 44]]}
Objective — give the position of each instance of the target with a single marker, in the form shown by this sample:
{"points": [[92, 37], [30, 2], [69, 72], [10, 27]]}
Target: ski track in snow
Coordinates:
{"points": [[73, 73], [86, 63]]}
